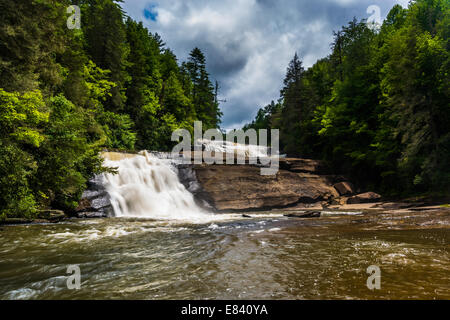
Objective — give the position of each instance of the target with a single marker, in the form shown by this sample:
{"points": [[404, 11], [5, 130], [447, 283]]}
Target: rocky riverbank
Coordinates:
{"points": [[240, 188], [43, 216], [300, 184]]}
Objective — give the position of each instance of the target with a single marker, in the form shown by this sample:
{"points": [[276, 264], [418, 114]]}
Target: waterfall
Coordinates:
{"points": [[248, 150], [147, 186]]}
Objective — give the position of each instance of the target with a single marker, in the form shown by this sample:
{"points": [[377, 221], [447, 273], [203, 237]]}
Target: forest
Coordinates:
{"points": [[66, 94], [378, 107]]}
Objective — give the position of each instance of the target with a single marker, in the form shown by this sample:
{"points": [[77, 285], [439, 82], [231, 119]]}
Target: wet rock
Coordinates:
{"points": [[246, 216], [101, 202], [83, 205], [92, 215], [341, 201], [368, 197], [344, 188], [95, 201], [92, 194], [188, 178], [312, 214], [96, 184]]}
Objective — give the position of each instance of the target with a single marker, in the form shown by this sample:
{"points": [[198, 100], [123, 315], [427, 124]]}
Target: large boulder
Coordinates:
{"points": [[368, 197], [344, 188], [243, 188]]}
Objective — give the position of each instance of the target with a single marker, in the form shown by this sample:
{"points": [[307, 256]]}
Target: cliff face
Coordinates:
{"points": [[243, 188]]}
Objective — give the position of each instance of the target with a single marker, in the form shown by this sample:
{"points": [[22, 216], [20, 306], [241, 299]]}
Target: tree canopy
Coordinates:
{"points": [[66, 94], [377, 108]]}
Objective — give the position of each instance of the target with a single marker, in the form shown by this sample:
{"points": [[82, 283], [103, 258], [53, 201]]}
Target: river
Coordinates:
{"points": [[267, 256]]}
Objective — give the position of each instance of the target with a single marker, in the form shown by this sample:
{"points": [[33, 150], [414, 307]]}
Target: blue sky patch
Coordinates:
{"points": [[150, 12]]}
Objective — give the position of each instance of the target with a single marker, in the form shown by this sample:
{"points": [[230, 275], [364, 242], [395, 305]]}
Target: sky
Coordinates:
{"points": [[248, 43]]}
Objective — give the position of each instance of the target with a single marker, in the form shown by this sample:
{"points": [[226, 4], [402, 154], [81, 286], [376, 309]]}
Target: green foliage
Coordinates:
{"points": [[16, 198], [67, 94], [105, 35], [20, 116], [31, 34], [66, 158], [118, 129], [292, 111], [415, 84], [378, 107], [202, 91]]}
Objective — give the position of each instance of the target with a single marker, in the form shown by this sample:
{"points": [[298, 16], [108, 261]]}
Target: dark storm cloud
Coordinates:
{"points": [[249, 43]]}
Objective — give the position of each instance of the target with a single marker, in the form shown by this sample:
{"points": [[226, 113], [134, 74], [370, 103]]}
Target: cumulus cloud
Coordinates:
{"points": [[249, 43]]}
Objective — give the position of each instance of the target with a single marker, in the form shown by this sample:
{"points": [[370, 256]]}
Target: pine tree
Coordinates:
{"points": [[202, 93], [31, 36], [143, 67], [292, 100]]}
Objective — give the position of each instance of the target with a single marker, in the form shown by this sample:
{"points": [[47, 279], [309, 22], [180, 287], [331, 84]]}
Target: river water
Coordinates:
{"points": [[268, 256]]}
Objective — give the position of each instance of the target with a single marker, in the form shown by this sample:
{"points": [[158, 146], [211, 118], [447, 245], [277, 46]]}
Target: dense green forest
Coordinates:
{"points": [[378, 107], [66, 94]]}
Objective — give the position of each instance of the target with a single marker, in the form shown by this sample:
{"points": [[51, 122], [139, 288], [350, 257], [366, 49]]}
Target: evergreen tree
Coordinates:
{"points": [[292, 96], [202, 93], [377, 108], [416, 87], [31, 35], [106, 42]]}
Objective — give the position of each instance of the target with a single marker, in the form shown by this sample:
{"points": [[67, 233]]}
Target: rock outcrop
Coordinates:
{"points": [[51, 215], [303, 165], [95, 201], [368, 197], [344, 188], [243, 188], [188, 177]]}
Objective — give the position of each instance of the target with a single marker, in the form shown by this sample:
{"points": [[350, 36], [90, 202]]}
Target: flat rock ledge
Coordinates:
{"points": [[242, 188]]}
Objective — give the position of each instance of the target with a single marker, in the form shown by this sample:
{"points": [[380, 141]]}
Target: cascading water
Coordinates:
{"points": [[250, 151], [148, 187]]}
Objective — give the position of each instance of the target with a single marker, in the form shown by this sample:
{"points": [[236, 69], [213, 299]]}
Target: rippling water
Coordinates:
{"points": [[265, 257]]}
